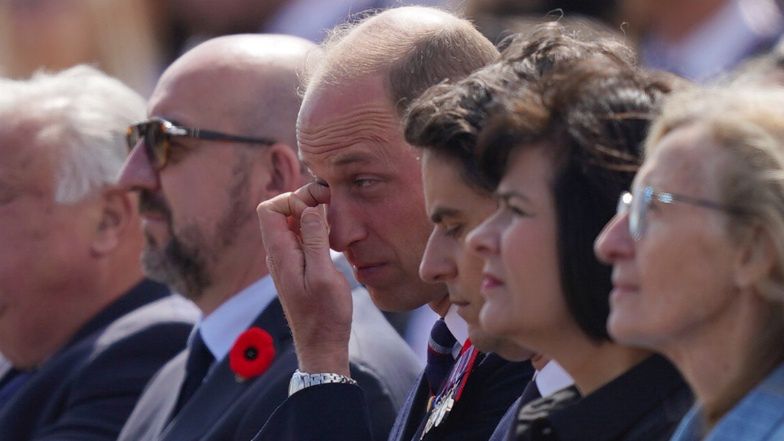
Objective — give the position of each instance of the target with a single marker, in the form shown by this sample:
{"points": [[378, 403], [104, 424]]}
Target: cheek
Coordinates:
{"points": [[470, 276], [402, 224], [531, 265], [536, 303], [681, 287]]}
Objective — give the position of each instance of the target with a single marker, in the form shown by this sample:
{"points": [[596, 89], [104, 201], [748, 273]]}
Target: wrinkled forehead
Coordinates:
{"points": [[338, 128], [686, 159]]}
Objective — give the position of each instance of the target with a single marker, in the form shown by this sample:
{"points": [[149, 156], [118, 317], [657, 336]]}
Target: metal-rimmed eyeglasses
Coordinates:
{"points": [[637, 204]]}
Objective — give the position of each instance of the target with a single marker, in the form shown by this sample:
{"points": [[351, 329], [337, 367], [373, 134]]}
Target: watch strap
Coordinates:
{"points": [[302, 380]]}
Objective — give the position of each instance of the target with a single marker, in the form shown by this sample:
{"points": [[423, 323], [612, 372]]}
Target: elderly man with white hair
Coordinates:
{"points": [[82, 329]]}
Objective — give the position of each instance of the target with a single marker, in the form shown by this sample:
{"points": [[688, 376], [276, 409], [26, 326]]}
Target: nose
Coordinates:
{"points": [[485, 239], [436, 265], [346, 223], [137, 173], [614, 242]]}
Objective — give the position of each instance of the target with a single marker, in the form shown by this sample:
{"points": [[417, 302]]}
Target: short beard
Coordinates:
{"points": [[180, 266], [183, 263]]}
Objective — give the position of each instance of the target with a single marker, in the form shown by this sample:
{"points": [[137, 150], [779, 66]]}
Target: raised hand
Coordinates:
{"points": [[315, 296]]}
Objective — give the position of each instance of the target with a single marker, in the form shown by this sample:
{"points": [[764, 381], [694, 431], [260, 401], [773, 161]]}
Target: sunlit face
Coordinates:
{"points": [[677, 278], [197, 209], [45, 254], [351, 140], [455, 208], [521, 285]]}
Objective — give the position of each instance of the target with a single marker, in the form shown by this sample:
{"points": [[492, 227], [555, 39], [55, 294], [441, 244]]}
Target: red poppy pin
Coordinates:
{"points": [[252, 354]]}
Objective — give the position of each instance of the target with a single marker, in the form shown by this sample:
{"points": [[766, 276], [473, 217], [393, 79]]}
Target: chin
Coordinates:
{"points": [[626, 331], [392, 300], [483, 341]]}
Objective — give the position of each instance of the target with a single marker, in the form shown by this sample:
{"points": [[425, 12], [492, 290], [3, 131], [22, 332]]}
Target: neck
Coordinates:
{"points": [[82, 298], [233, 274], [593, 364], [726, 356]]}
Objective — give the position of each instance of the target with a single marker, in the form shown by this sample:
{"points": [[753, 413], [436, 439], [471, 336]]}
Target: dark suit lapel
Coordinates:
{"points": [[413, 411], [153, 411], [221, 391]]}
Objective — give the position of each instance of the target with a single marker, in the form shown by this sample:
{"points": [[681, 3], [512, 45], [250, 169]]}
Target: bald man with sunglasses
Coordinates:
{"points": [[220, 138]]}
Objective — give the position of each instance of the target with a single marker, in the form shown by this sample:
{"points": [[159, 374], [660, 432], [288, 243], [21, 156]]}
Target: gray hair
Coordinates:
{"points": [[81, 115]]}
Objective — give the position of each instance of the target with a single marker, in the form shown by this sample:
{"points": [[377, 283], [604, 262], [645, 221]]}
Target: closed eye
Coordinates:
{"points": [[453, 231]]}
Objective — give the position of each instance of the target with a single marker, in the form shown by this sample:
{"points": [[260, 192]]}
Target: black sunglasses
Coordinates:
{"points": [[156, 135]]}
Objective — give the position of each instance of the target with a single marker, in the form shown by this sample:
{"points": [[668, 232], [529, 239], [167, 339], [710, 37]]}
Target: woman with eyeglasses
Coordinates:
{"points": [[560, 153], [698, 258]]}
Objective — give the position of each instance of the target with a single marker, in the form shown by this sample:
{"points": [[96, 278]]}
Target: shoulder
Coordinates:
{"points": [[759, 414], [170, 311], [375, 345]]}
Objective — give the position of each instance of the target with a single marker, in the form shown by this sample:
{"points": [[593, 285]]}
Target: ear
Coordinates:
{"points": [[115, 215], [284, 171], [756, 258]]}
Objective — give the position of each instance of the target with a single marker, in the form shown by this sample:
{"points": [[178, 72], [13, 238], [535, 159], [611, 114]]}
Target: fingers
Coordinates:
{"points": [[319, 268], [281, 244], [294, 203]]}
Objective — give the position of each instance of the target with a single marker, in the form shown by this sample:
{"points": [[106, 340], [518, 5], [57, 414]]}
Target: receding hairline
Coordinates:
{"points": [[378, 44]]}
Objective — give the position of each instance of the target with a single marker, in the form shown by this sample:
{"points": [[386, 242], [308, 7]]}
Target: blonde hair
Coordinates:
{"points": [[747, 123]]}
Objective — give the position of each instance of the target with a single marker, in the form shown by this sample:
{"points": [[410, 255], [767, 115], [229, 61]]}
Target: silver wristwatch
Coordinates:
{"points": [[301, 380]]}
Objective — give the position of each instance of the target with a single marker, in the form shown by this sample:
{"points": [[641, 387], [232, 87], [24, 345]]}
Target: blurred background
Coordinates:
{"points": [[135, 40]]}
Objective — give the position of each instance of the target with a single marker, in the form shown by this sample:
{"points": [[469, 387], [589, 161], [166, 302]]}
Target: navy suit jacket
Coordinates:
{"points": [[339, 411], [224, 409], [86, 391]]}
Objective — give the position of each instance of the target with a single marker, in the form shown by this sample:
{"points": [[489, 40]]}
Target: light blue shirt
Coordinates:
{"points": [[759, 416], [221, 328]]}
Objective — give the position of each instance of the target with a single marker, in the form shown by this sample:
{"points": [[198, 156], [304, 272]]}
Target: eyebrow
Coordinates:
{"points": [[353, 158], [440, 213], [347, 159]]}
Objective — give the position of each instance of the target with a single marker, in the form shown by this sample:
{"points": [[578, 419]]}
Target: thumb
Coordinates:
{"points": [[315, 240]]}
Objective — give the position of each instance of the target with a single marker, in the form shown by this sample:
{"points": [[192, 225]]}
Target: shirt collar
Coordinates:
{"points": [[221, 328], [552, 378], [458, 327], [753, 416]]}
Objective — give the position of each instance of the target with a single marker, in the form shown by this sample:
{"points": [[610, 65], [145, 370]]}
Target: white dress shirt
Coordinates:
{"points": [[552, 378], [221, 328]]}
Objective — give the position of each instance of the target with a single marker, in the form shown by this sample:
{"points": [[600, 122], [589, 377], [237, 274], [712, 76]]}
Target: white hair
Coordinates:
{"points": [[81, 115]]}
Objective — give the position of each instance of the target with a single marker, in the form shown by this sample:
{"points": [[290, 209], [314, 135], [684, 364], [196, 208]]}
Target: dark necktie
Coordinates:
{"points": [[439, 355], [199, 360], [530, 393]]}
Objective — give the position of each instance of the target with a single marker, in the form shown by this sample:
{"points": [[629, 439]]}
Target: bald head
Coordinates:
{"points": [[251, 81], [412, 47], [209, 247]]}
